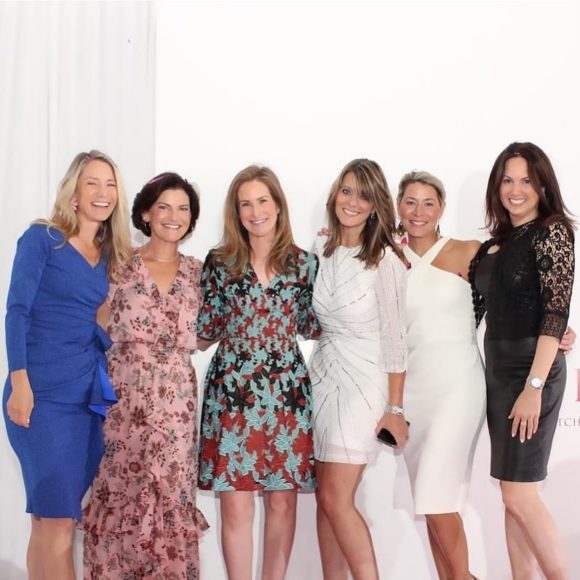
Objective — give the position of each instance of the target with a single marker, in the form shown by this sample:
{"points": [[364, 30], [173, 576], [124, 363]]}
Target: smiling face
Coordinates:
{"points": [[352, 207], [516, 192], [257, 209], [96, 195], [420, 210], [169, 217]]}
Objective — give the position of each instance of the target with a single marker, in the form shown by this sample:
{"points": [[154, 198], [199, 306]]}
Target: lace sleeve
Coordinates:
{"points": [[391, 288], [554, 249]]}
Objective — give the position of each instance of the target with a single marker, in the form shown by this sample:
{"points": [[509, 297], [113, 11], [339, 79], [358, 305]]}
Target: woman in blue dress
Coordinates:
{"points": [[57, 391], [256, 432]]}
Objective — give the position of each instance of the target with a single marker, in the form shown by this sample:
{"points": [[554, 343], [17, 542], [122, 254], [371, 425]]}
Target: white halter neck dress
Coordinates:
{"points": [[444, 386]]}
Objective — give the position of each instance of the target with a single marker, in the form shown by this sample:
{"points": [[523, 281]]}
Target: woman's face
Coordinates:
{"points": [[96, 195], [516, 192], [170, 216], [420, 210], [257, 209], [352, 207]]}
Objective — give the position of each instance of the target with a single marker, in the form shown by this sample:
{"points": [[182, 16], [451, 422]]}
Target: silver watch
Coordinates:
{"points": [[535, 382], [394, 410]]}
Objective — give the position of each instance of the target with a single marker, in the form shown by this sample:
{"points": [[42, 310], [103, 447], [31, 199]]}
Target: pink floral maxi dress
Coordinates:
{"points": [[142, 520]]}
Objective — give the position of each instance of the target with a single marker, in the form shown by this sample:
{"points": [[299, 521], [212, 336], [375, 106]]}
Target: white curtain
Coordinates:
{"points": [[73, 76]]}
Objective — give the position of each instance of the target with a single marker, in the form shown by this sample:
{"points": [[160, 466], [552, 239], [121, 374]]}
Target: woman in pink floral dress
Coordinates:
{"points": [[142, 520]]}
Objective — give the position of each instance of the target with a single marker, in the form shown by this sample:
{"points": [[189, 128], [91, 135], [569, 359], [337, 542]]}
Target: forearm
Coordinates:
{"points": [[546, 350], [396, 384]]}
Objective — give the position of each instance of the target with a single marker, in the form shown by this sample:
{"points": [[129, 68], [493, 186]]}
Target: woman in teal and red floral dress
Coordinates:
{"points": [[256, 432]]}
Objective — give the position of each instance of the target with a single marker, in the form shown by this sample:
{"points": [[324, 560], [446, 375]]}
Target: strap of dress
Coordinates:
{"points": [[430, 254]]}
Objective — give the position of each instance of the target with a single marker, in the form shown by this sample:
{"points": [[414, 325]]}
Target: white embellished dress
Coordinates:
{"points": [[361, 312], [444, 386]]}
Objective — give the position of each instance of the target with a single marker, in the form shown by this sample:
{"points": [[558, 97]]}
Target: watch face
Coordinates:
{"points": [[536, 382]]}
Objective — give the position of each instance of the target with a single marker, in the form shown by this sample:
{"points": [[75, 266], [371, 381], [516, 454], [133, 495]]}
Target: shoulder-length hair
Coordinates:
{"points": [[152, 191], [379, 231], [234, 250], [551, 207], [113, 236]]}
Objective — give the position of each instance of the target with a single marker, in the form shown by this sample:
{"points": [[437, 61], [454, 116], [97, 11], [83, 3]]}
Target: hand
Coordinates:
{"points": [[21, 401], [323, 232], [568, 340], [397, 425], [526, 413]]}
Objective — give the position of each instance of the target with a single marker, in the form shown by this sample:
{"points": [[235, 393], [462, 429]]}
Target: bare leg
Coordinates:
{"points": [[279, 527], [522, 560], [449, 537], [438, 556], [56, 535], [523, 502], [34, 555], [237, 515], [336, 491], [334, 565]]}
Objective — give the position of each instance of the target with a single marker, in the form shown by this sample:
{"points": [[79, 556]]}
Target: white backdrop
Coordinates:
{"points": [[304, 87]]}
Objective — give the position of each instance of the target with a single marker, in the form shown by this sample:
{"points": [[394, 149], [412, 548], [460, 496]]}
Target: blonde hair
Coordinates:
{"points": [[234, 251], [113, 236], [378, 232], [425, 178]]}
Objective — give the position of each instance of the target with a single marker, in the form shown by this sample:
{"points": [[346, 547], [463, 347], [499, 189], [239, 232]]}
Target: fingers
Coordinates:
{"points": [[18, 417], [525, 427]]}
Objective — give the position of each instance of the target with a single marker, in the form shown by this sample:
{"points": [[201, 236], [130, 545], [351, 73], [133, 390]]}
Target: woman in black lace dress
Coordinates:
{"points": [[523, 279]]}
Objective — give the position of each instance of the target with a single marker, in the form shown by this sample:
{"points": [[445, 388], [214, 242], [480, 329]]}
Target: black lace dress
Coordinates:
{"points": [[525, 288]]}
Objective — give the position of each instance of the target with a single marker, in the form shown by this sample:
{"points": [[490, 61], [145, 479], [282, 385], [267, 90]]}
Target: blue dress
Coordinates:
{"points": [[51, 331]]}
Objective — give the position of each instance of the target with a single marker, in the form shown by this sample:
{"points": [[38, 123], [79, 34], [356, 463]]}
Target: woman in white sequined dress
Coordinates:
{"points": [[358, 366]]}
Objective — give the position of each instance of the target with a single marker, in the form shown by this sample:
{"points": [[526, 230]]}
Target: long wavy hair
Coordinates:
{"points": [[113, 236], [551, 207], [234, 250], [379, 231]]}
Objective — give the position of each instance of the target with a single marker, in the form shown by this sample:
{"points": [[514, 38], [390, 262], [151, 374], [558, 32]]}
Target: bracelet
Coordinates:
{"points": [[394, 410]]}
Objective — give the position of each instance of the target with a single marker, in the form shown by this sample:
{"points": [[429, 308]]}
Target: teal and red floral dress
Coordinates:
{"points": [[256, 431]]}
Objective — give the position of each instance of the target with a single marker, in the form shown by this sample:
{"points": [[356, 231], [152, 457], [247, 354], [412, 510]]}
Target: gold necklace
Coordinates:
{"points": [[151, 256]]}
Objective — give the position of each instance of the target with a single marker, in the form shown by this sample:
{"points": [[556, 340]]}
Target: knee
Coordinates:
{"points": [[239, 512], [518, 502], [329, 499], [281, 503]]}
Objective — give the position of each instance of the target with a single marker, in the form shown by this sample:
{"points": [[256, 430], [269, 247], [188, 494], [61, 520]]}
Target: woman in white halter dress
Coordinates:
{"points": [[445, 382], [444, 387]]}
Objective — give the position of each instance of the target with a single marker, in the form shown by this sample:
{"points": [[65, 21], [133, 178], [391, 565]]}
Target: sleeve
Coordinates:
{"points": [[210, 321], [307, 324], [32, 252], [554, 250], [391, 288]]}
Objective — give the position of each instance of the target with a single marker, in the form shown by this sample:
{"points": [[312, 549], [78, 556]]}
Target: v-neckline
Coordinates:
{"points": [[429, 255], [264, 287], [84, 258], [152, 280]]}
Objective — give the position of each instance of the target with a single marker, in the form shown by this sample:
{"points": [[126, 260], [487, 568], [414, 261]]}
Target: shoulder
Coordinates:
{"points": [[126, 271], [43, 234], [304, 259], [192, 267], [556, 229], [392, 261], [319, 243], [465, 249]]}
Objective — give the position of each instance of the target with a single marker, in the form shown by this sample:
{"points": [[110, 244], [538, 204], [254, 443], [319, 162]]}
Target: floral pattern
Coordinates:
{"points": [[142, 520], [256, 428]]}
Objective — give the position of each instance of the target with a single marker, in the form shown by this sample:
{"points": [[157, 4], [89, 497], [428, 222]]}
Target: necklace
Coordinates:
{"points": [[157, 259]]}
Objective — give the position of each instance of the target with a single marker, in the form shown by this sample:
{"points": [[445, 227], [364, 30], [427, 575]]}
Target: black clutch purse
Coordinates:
{"points": [[386, 437]]}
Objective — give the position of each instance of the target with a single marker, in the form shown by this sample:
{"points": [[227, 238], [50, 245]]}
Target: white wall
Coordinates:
{"points": [[306, 86]]}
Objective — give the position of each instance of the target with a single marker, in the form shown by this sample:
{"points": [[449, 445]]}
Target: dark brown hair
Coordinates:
{"points": [[152, 191], [551, 207]]}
